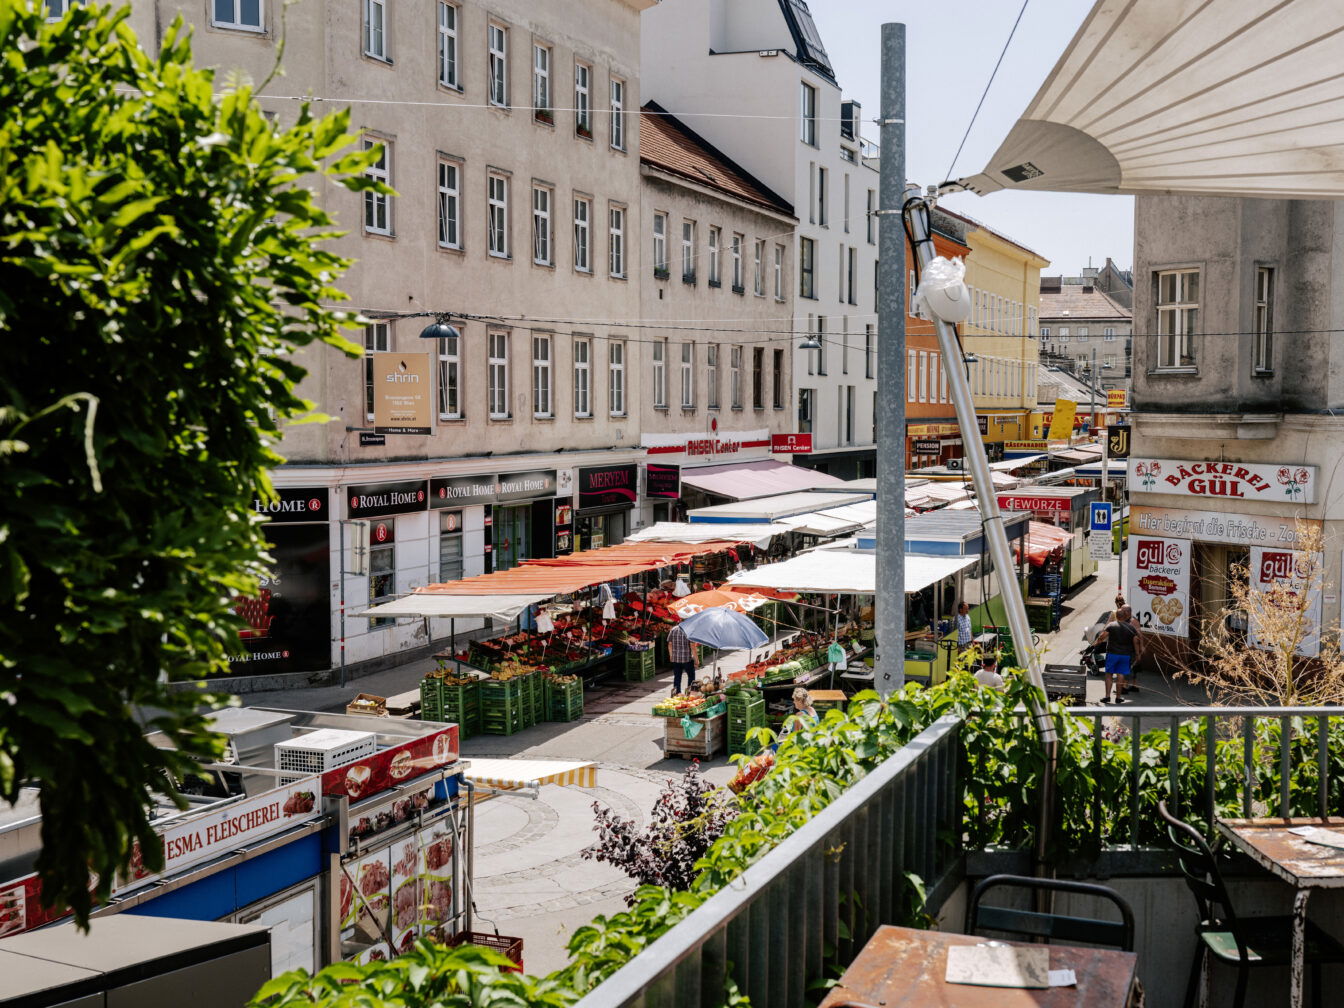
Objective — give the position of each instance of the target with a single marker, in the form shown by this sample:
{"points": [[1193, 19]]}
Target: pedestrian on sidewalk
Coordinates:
{"points": [[681, 655], [1123, 645]]}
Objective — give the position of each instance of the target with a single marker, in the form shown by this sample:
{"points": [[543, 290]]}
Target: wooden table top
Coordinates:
{"points": [[904, 968], [1297, 861]]}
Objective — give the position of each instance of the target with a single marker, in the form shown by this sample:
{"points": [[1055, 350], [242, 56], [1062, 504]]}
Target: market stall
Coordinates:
{"points": [[1065, 508]]}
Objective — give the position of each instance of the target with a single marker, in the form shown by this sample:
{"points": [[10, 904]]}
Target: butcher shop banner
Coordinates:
{"points": [[392, 767], [1289, 581], [1157, 584]]}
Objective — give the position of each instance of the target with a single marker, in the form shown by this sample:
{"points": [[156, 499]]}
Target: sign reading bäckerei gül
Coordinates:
{"points": [[1272, 482]]}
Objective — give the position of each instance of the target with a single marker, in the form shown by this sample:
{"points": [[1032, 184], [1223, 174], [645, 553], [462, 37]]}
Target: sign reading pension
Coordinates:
{"points": [[1158, 584], [403, 393], [1292, 484]]}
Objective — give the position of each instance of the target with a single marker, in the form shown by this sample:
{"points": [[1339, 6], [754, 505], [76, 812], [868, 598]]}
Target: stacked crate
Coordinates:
{"points": [[462, 707], [746, 710], [502, 706], [564, 701], [534, 699], [640, 666], [431, 698]]}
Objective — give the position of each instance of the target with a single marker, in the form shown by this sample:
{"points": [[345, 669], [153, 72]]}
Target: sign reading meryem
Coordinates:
{"points": [[1157, 584], [1293, 484]]}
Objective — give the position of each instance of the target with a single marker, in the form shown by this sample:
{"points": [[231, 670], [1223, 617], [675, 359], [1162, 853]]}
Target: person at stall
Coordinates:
{"points": [[681, 655], [803, 715], [965, 636]]}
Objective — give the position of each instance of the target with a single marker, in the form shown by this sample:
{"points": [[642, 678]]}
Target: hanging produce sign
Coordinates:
{"points": [[1292, 484]]}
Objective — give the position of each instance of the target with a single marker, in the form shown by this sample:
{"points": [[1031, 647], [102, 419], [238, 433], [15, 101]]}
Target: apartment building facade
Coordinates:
{"points": [[764, 61], [510, 134], [1084, 330]]}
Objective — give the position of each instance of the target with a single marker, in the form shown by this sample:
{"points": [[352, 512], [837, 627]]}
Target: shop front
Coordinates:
{"points": [[607, 498], [714, 451], [1067, 509], [932, 444], [518, 513], [662, 490]]}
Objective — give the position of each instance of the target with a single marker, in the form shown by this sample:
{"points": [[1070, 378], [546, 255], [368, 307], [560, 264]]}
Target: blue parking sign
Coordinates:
{"points": [[1100, 517]]}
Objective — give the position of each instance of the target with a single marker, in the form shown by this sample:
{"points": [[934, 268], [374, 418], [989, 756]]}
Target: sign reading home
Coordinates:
{"points": [[294, 506], [1274, 483], [372, 500], [403, 393]]}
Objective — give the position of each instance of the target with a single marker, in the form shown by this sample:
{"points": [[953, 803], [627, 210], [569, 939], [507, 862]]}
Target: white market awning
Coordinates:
{"points": [[500, 607], [842, 573], [1220, 97], [1006, 465], [759, 535], [513, 775]]}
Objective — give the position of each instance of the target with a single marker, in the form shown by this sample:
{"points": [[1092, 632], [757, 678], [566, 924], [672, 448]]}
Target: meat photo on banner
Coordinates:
{"points": [[436, 884], [405, 893], [372, 876], [1285, 577], [1158, 584]]}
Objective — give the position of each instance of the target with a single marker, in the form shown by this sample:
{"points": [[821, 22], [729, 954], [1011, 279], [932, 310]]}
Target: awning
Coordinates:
{"points": [[946, 493], [1042, 540], [500, 607], [818, 523], [758, 535], [1221, 97], [746, 480], [1077, 456], [511, 774], [842, 573], [1007, 465]]}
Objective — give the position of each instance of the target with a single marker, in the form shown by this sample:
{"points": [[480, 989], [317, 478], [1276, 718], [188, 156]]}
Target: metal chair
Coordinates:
{"points": [[1244, 942], [1050, 926]]}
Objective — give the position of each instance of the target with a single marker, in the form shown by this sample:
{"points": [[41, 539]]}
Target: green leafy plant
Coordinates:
{"points": [[161, 260]]}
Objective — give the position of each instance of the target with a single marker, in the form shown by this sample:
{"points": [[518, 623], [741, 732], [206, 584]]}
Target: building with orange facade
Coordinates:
{"points": [[932, 436]]}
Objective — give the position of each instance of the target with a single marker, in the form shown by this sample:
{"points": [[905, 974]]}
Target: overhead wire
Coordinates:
{"points": [[984, 94]]}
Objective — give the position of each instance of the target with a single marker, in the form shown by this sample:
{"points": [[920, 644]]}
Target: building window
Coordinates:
{"points": [[497, 39], [583, 213], [1177, 317], [378, 205], [805, 403], [821, 197], [714, 275], [618, 113], [377, 339], [808, 111], [688, 376], [868, 350], [853, 268], [1063, 336], [1045, 332], [912, 376], [688, 251], [659, 351], [660, 245], [1084, 332], [499, 375], [450, 378], [1264, 320], [712, 376], [448, 14], [758, 377], [450, 546], [777, 380], [541, 83], [450, 219], [871, 217], [844, 209], [382, 579], [583, 100], [542, 253], [807, 250], [244, 14], [616, 377], [779, 272], [735, 258], [541, 376], [375, 29], [583, 377], [498, 203], [758, 263], [1108, 333], [821, 338], [849, 414], [616, 241], [735, 377]]}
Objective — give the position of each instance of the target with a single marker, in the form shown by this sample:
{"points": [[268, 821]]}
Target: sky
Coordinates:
{"points": [[950, 52]]}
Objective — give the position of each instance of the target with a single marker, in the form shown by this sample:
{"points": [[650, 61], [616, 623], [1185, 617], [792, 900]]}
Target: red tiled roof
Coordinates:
{"points": [[666, 144]]}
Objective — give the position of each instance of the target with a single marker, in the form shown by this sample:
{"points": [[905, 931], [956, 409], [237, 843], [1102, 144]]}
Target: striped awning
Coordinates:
{"points": [[513, 774]]}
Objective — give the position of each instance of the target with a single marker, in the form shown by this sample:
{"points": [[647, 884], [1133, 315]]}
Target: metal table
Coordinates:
{"points": [[904, 968], [1303, 865]]}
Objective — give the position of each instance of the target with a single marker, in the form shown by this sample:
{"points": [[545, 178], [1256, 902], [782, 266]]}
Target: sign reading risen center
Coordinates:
{"points": [[403, 392]]}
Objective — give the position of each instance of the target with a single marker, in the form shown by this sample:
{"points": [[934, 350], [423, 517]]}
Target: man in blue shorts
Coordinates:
{"points": [[1122, 649]]}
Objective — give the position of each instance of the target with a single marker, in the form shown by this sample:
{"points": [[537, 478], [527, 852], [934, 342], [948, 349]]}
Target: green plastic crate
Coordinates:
{"points": [[640, 666], [494, 691], [431, 699]]}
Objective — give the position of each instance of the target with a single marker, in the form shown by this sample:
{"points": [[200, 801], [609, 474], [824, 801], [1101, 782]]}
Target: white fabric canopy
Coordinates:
{"points": [[1221, 97], [500, 607], [845, 573], [512, 774], [759, 535]]}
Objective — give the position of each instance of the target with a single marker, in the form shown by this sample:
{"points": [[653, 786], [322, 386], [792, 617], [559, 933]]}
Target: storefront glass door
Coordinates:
{"points": [[513, 535]]}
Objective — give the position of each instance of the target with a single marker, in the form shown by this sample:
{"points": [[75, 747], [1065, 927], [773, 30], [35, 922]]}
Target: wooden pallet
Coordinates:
{"points": [[706, 744]]}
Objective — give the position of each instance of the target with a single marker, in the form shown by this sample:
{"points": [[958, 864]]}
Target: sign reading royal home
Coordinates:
{"points": [[1288, 484], [372, 500], [455, 491]]}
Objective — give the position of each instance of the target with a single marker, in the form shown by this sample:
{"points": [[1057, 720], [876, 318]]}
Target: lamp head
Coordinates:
{"points": [[811, 343], [440, 329]]}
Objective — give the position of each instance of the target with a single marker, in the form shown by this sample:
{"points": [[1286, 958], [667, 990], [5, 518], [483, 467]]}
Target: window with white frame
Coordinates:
{"points": [[807, 110], [450, 205], [583, 100], [1084, 332], [541, 82], [779, 272], [821, 196], [821, 338], [688, 376], [616, 377], [497, 44], [806, 400], [660, 244], [712, 376], [1108, 333], [758, 377], [811, 357], [714, 242], [844, 209], [1063, 334], [844, 344], [659, 355], [377, 339], [616, 241], [498, 374], [542, 246], [758, 269], [942, 380], [243, 14], [375, 29], [497, 203], [1263, 361], [448, 69], [542, 387], [735, 258], [1177, 317], [807, 251], [583, 377], [583, 235], [450, 378], [1045, 332], [777, 380], [868, 350], [618, 113], [852, 257], [688, 251], [378, 206], [912, 376], [735, 377], [923, 376]]}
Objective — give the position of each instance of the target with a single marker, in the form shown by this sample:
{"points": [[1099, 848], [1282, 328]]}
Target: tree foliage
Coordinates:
{"points": [[160, 261]]}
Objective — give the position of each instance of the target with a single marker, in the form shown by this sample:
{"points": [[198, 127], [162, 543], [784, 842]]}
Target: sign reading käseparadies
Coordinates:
{"points": [[1275, 483], [1157, 584]]}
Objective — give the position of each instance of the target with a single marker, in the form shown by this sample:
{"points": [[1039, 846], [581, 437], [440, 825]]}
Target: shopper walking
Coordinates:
{"points": [[681, 655], [1123, 645]]}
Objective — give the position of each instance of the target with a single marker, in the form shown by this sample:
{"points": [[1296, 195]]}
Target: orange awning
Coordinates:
{"points": [[729, 596], [1044, 539]]}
